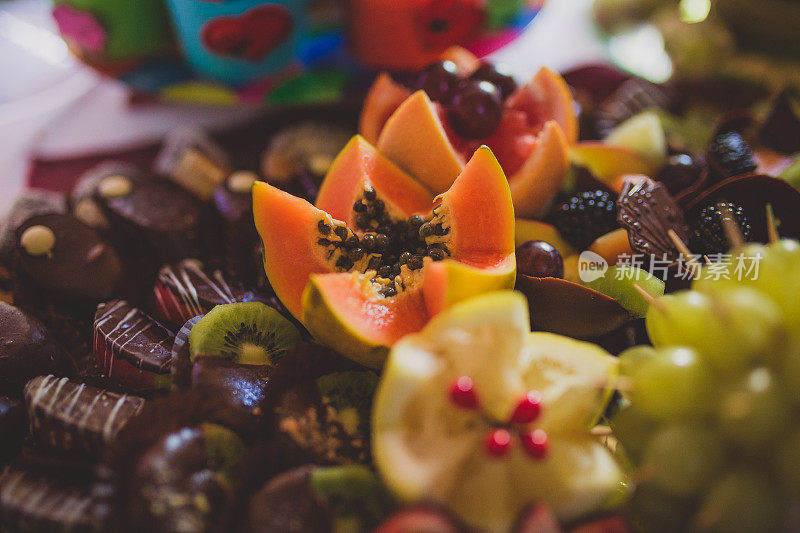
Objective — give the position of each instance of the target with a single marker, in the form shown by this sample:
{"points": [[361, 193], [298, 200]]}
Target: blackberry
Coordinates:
{"points": [[709, 237], [731, 154], [585, 217]]}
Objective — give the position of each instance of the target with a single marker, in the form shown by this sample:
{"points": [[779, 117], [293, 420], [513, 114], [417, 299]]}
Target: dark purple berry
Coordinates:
{"points": [[476, 110], [679, 172], [439, 81], [731, 154], [497, 74], [539, 259], [709, 236], [585, 217]]}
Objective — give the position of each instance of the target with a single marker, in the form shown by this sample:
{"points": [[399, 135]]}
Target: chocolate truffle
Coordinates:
{"points": [[184, 481], [157, 219], [27, 350]]}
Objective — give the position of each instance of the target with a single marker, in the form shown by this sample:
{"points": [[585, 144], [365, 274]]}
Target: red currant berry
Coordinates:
{"points": [[535, 443], [498, 442], [462, 393], [528, 408]]}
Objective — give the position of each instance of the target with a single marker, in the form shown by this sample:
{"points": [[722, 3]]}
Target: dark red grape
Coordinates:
{"points": [[476, 109], [497, 74], [539, 259], [439, 81], [679, 172]]}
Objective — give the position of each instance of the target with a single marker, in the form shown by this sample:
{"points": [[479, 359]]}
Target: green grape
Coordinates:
{"points": [[741, 501], [731, 328], [754, 410], [681, 459], [787, 461], [672, 385], [652, 511], [632, 358], [790, 367], [679, 319], [633, 430], [739, 270], [778, 278]]}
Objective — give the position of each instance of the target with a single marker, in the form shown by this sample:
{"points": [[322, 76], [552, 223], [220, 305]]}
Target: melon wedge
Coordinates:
{"points": [[534, 186], [547, 97], [343, 307], [415, 140], [608, 161]]}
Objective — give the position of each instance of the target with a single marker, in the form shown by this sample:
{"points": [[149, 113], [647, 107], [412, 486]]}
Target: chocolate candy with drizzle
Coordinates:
{"points": [[131, 348], [35, 501], [187, 289], [74, 416]]}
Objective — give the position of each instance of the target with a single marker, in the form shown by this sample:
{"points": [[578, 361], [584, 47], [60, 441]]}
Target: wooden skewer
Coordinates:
{"points": [[732, 231], [772, 225], [650, 299], [681, 246]]}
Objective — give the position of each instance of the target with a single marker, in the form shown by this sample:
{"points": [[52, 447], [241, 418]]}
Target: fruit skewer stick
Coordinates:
{"points": [[732, 231], [772, 225]]}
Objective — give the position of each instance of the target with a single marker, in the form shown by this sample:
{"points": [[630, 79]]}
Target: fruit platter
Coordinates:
{"points": [[468, 304]]}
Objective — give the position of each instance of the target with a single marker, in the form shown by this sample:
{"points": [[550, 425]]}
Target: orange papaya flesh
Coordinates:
{"points": [[346, 303]]}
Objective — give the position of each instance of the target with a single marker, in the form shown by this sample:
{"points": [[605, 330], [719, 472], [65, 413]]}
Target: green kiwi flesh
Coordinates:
{"points": [[350, 393], [250, 333], [354, 493]]}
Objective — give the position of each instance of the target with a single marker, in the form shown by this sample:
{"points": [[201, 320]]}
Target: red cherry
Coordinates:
{"points": [[462, 393], [498, 442], [528, 408], [535, 443]]}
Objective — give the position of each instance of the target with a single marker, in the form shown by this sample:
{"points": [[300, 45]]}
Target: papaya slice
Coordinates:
{"points": [[357, 296], [359, 165], [383, 97], [532, 141], [415, 139]]}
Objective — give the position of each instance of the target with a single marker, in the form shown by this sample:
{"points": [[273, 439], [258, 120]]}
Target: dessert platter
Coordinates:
{"points": [[468, 304]]}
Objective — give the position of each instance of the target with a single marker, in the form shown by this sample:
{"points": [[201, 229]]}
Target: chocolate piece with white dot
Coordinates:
{"points": [[65, 259]]}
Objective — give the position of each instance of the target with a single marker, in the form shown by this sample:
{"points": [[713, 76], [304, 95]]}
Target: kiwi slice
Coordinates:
{"points": [[349, 393], [354, 493], [250, 333]]}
